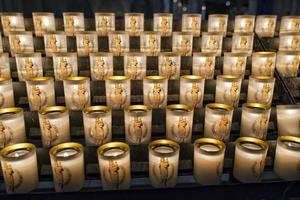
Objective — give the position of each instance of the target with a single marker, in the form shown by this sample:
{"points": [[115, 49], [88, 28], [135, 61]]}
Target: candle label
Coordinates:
{"points": [[135, 67], [260, 126], [118, 95], [12, 23], [114, 174], [191, 24], [99, 132], [50, 132], [263, 66], [101, 69], [217, 24], [150, 43], [13, 178], [6, 135], [164, 172], [43, 24], [288, 65], [156, 96], [2, 100], [183, 44], [204, 66], [64, 67], [21, 43], [137, 130], [163, 24], [37, 98], [169, 67], [231, 94], [234, 65], [119, 43], [55, 43], [73, 23], [193, 94], [105, 24], [86, 43], [289, 25], [30, 68], [211, 43], [242, 43], [265, 26], [62, 174], [289, 43], [264, 95], [4, 66], [181, 129], [81, 96], [258, 168], [221, 128]]}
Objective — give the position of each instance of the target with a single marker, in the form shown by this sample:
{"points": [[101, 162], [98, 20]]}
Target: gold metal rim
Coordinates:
{"points": [[264, 146], [184, 107], [76, 78], [134, 14], [40, 79], [217, 143], [104, 14], [191, 15], [227, 77], [65, 54], [132, 108], [92, 109], [204, 54], [288, 106], [163, 142], [256, 105], [265, 78], [294, 139], [113, 145], [118, 32], [25, 55], [42, 14], [267, 16], [183, 33], [73, 14], [169, 54], [118, 78], [245, 16], [192, 77], [50, 109], [162, 14], [135, 54], [150, 33], [12, 110], [15, 147], [104, 54], [218, 15], [219, 106], [264, 53], [20, 33], [155, 77], [235, 54], [3, 80], [68, 145]]}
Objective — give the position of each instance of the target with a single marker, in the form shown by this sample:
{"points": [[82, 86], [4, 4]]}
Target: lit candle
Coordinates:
{"points": [[134, 23], [192, 90], [255, 120], [6, 93], [12, 22], [86, 42], [67, 164], [20, 42], [289, 42], [43, 22], [65, 65], [204, 65], [234, 64], [105, 23], [212, 43], [4, 66], [73, 22], [150, 42], [12, 126], [208, 161], [228, 89], [287, 158], [249, 159], [19, 168], [40, 92], [135, 65], [118, 42], [169, 65], [289, 24], [97, 122], [138, 120], [263, 63], [118, 91], [155, 91], [179, 123], [182, 43], [217, 23], [218, 121], [55, 42], [242, 43], [287, 63], [288, 120], [101, 65], [191, 23], [54, 125], [163, 23], [265, 25], [163, 163], [114, 165], [244, 23], [260, 89], [29, 66]]}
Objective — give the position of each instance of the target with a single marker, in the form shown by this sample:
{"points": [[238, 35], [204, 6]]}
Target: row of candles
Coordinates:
{"points": [[20, 168], [162, 22]]}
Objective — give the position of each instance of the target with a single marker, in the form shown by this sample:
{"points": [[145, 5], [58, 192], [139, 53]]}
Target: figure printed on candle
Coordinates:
{"points": [[16, 42], [2, 99], [220, 128], [222, 24], [195, 24], [70, 24], [137, 130], [29, 69], [238, 67], [248, 25], [295, 25], [152, 44], [264, 95], [81, 96], [6, 135], [267, 68], [6, 23], [98, 132], [133, 24], [212, 43], [13, 178], [52, 43], [64, 68], [269, 27], [133, 69], [207, 71], [86, 44], [50, 132], [291, 68], [118, 95], [156, 95], [38, 24], [231, 96], [164, 171], [164, 25], [37, 98], [181, 129], [294, 43], [258, 168], [260, 126], [114, 174], [193, 95], [169, 68], [100, 71], [185, 46], [117, 43], [103, 25], [62, 174], [243, 45]]}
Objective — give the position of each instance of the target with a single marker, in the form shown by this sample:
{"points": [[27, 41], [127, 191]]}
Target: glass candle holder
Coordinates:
{"points": [[55, 42], [288, 120], [169, 65], [65, 65], [204, 65], [289, 24], [118, 42], [12, 22], [255, 120], [287, 158], [228, 89], [265, 25], [4, 66], [242, 43], [287, 63], [40, 92], [12, 126], [289, 42], [97, 122], [163, 163], [134, 23], [212, 43], [218, 121], [19, 168], [217, 23], [150, 43], [191, 23], [234, 64], [67, 165], [208, 161], [155, 91], [1, 45], [135, 65], [54, 125], [87, 42], [105, 23], [43, 22], [77, 92], [29, 66], [73, 22], [260, 89], [244, 23], [163, 23], [6, 93], [138, 120], [20, 42], [179, 123], [114, 164], [118, 91], [249, 159], [182, 43], [101, 65], [192, 91], [263, 63]]}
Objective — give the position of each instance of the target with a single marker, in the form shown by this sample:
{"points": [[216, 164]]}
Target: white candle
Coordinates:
{"points": [[54, 125], [182, 43], [242, 43], [101, 65], [212, 43], [118, 42], [288, 120], [204, 65], [263, 63], [4, 66], [135, 65], [265, 25], [117, 91], [244, 23], [19, 167], [289, 24], [73, 22], [169, 65], [43, 22], [86, 42], [12, 126], [12, 22], [29, 66], [208, 161], [155, 91], [260, 89], [289, 42], [287, 63], [97, 122], [65, 65], [287, 158], [134, 23], [150, 42], [249, 159], [105, 23], [6, 93], [163, 163], [138, 122], [191, 23], [55, 42], [163, 23], [218, 120], [234, 64], [192, 90], [21, 42], [217, 23], [114, 165], [67, 162]]}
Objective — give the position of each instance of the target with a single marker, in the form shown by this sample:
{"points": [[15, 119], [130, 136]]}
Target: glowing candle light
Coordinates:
{"points": [[191, 23], [155, 91]]}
